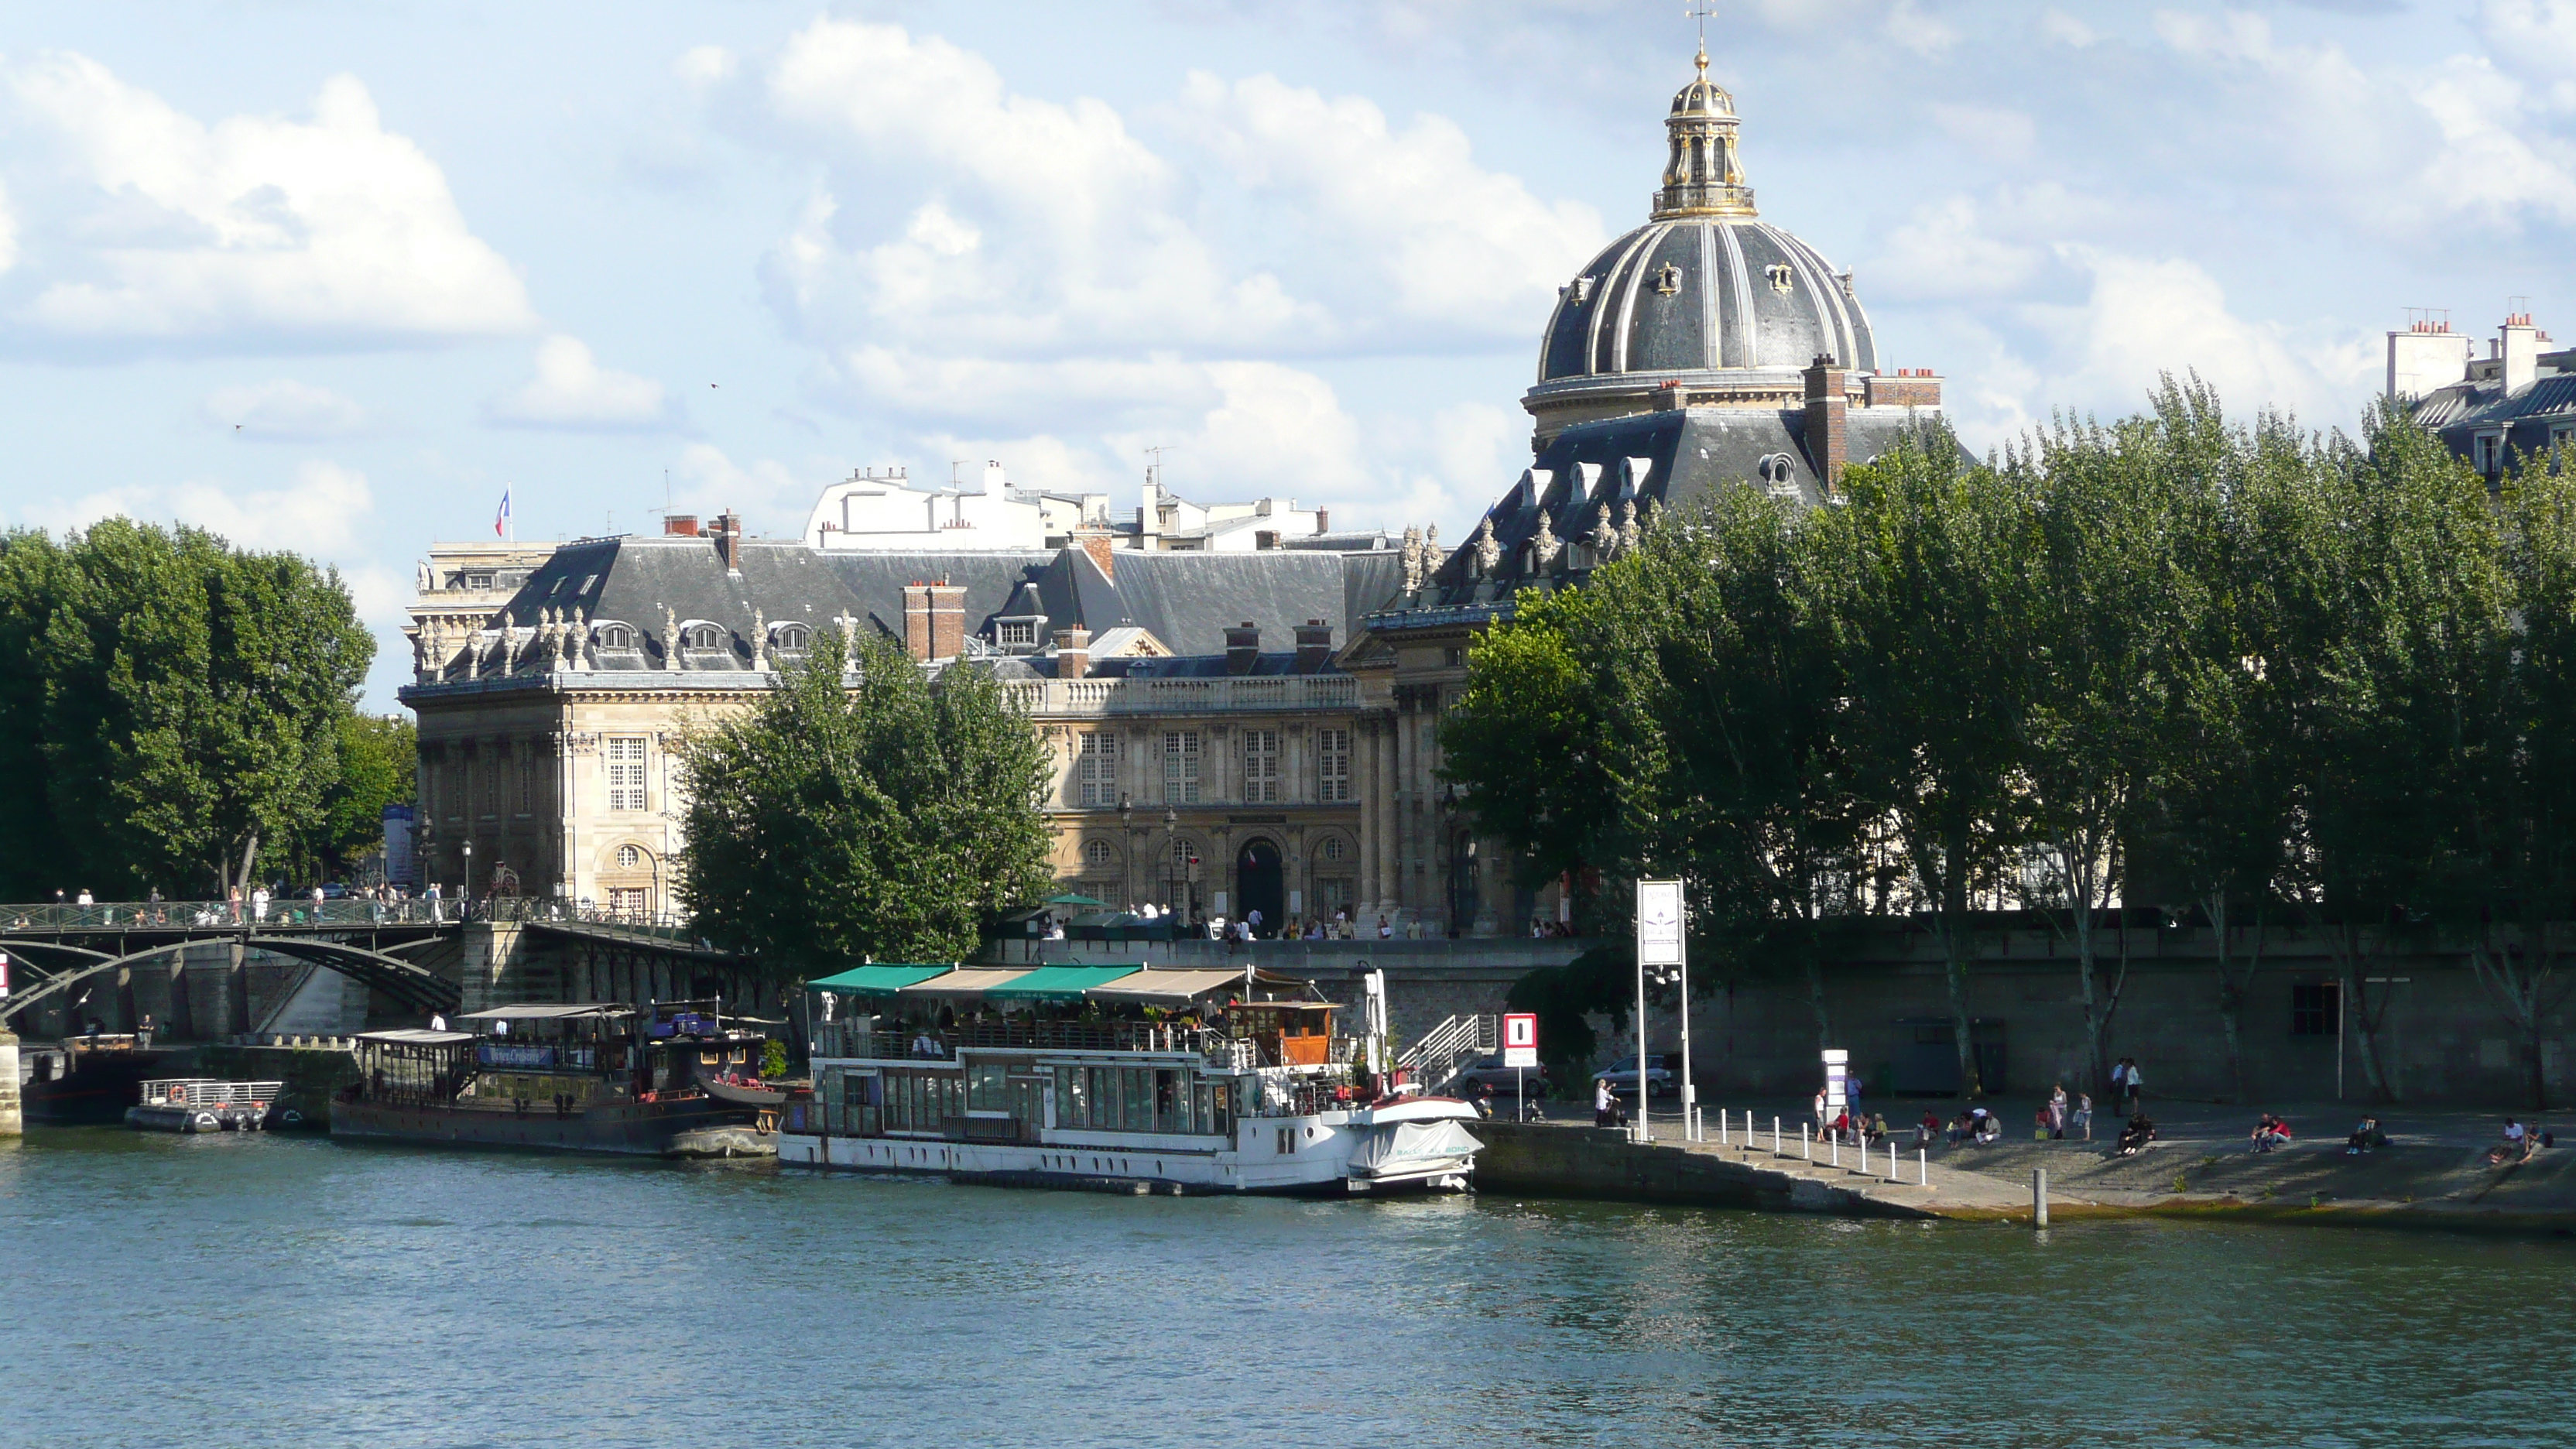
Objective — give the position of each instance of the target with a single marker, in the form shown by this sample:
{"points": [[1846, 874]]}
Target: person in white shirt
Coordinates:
{"points": [[1385, 932]]}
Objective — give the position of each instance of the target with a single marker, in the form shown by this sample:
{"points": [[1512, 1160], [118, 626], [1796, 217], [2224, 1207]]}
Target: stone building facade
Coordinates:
{"points": [[1232, 727]]}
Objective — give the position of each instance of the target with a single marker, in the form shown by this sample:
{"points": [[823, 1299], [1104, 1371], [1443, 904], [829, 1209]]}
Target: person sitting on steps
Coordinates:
{"points": [[2365, 1138], [2270, 1132], [2136, 1135]]}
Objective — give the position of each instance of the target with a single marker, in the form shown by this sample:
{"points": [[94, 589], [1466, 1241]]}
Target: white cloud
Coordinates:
{"points": [[2065, 29], [770, 495], [1448, 239], [1994, 132], [571, 390], [325, 511], [706, 65], [285, 410], [1925, 35], [140, 223]]}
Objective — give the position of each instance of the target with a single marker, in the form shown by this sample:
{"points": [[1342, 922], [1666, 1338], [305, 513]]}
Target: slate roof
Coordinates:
{"points": [[1673, 458], [1186, 600], [2459, 413]]}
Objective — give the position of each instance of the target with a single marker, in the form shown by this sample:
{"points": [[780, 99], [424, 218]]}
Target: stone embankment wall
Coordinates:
{"points": [[310, 1074], [12, 1116], [1600, 1162]]}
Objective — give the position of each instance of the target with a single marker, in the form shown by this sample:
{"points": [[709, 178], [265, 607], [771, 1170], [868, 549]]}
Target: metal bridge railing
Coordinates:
{"points": [[294, 912]]}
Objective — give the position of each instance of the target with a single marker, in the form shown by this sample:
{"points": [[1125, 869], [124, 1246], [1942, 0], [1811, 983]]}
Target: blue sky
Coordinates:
{"points": [[329, 276]]}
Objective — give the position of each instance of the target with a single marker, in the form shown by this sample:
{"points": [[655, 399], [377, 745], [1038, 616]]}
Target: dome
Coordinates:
{"points": [[1705, 295]]}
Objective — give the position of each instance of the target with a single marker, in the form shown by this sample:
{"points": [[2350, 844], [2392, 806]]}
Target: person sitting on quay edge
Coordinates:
{"points": [[2365, 1138], [1926, 1130], [2270, 1132], [1605, 1104], [1990, 1128], [2517, 1146], [2137, 1134]]}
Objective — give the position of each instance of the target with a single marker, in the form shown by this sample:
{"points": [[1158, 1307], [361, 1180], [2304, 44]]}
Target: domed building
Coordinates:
{"points": [[1706, 348]]}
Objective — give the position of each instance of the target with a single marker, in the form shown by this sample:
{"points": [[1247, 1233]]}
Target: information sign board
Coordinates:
{"points": [[1520, 1039], [1659, 923]]}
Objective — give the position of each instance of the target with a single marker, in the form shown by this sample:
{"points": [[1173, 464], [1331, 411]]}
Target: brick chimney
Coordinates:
{"points": [[1314, 646], [680, 525], [1323, 520], [1242, 648], [729, 540], [1072, 653], [1097, 543], [934, 621], [1824, 430]]}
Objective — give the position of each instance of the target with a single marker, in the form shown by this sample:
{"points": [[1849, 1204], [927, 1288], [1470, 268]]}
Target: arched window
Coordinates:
{"points": [[1096, 852], [615, 636], [630, 858], [1333, 848], [792, 637], [702, 636]]}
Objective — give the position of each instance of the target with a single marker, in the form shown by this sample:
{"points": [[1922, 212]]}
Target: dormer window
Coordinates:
{"points": [[792, 638], [614, 636], [1016, 633], [704, 637]]}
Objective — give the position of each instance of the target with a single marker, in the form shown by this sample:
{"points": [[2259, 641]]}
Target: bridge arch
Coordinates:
{"points": [[414, 986]]}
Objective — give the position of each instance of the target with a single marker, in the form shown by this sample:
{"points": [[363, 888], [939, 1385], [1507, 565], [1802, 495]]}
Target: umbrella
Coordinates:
{"points": [[1070, 898]]}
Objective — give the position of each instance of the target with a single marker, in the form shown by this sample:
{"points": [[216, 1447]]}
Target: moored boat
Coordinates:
{"points": [[204, 1104], [589, 1077], [1114, 1077]]}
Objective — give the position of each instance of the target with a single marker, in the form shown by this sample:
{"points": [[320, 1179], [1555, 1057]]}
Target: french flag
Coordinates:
{"points": [[501, 520]]}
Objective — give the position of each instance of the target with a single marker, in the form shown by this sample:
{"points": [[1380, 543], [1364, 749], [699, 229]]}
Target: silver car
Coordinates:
{"points": [[1489, 1071], [1622, 1076]]}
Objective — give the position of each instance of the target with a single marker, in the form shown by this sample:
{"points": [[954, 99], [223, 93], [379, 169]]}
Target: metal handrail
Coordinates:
{"points": [[291, 912]]}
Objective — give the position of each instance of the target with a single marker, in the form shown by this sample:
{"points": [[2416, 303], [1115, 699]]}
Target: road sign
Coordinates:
{"points": [[4, 975], [1520, 1039], [1659, 923]]}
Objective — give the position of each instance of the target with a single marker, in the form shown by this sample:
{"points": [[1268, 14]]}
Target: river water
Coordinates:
{"points": [[292, 1291]]}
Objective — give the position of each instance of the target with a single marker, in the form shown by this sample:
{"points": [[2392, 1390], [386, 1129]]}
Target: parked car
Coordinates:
{"points": [[1622, 1077], [1490, 1071]]}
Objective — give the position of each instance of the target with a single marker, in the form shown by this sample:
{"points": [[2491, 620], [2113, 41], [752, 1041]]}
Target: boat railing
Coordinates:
{"points": [[859, 1039], [197, 1092]]}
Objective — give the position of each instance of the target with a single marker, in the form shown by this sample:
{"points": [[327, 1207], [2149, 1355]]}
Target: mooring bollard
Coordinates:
{"points": [[2039, 1197]]}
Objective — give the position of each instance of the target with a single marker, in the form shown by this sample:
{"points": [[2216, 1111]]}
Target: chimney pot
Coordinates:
{"points": [[1314, 646], [1072, 653], [1242, 648]]}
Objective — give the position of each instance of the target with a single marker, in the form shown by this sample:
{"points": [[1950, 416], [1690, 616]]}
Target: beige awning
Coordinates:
{"points": [[1167, 988], [963, 983]]}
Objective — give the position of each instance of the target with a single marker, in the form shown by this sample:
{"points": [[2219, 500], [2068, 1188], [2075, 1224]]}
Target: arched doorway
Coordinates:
{"points": [[1257, 875]]}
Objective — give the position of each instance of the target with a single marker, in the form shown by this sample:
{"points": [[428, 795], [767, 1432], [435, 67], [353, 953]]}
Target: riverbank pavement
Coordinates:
{"points": [[2433, 1172]]}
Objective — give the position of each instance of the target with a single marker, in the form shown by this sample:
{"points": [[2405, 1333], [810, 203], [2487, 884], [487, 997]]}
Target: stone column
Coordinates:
{"points": [[11, 1122], [1364, 785], [1390, 835]]}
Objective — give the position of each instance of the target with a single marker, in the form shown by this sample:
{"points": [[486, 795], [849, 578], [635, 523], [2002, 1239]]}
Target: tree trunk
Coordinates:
{"points": [[1953, 915], [250, 852], [2356, 1010]]}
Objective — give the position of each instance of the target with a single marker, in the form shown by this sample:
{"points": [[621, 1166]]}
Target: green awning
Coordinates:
{"points": [[1060, 983], [1074, 898], [883, 979]]}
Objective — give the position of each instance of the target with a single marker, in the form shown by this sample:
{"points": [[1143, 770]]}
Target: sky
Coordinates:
{"points": [[334, 276]]}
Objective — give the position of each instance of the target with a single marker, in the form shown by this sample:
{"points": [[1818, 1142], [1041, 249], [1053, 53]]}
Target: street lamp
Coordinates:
{"points": [[466, 891]]}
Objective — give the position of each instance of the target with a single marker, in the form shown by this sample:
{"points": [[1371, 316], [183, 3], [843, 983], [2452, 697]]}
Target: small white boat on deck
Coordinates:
{"points": [[1114, 1078], [203, 1104]]}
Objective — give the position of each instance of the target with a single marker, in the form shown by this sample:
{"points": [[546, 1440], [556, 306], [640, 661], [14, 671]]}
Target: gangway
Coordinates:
{"points": [[1449, 1049]]}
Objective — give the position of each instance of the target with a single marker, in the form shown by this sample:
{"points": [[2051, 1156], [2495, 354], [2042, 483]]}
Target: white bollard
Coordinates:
{"points": [[1923, 1160], [1806, 1144], [1775, 1137], [1721, 1126], [1836, 1151]]}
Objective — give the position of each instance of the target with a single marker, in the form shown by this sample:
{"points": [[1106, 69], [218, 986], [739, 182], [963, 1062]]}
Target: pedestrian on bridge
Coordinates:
{"points": [[259, 903], [236, 904]]}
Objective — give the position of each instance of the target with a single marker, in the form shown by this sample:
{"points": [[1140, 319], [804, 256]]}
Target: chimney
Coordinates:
{"points": [[916, 621], [729, 540], [1072, 653], [2520, 348], [1265, 539], [1824, 430], [680, 525], [1323, 520], [1098, 543], [1242, 648], [1314, 646]]}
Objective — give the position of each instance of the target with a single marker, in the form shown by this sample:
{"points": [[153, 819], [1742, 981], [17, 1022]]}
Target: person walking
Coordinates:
{"points": [[432, 897], [234, 900], [1605, 1105], [2136, 1088], [2084, 1115], [259, 903], [2057, 1113]]}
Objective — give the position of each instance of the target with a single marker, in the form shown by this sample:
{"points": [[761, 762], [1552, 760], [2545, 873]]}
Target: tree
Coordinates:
{"points": [[192, 703], [32, 848], [1524, 742], [1722, 728], [1927, 573], [880, 816], [379, 766]]}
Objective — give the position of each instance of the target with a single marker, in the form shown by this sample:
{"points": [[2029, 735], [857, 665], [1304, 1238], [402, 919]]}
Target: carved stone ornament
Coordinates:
{"points": [[1605, 536], [1629, 532], [1489, 554], [1543, 546], [670, 638], [1412, 560]]}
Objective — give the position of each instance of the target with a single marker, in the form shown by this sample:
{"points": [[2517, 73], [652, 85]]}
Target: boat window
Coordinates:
{"points": [[1171, 1108], [988, 1088], [1203, 1118], [1137, 1100]]}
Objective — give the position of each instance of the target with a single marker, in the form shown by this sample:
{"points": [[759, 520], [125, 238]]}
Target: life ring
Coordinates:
{"points": [[178, 1095], [203, 1122]]}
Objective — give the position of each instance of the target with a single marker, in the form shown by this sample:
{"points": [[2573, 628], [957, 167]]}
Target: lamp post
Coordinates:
{"points": [[1127, 843], [465, 891]]}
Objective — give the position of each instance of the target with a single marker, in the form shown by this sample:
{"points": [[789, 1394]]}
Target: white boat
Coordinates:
{"points": [[1114, 1078], [203, 1104]]}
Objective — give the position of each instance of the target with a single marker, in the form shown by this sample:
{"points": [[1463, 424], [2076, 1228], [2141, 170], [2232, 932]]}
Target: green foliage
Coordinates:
{"points": [[879, 817], [2170, 660], [773, 1061], [172, 706], [379, 766]]}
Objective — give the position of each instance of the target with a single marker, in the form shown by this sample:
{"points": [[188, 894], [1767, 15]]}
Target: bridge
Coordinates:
{"points": [[55, 949]]}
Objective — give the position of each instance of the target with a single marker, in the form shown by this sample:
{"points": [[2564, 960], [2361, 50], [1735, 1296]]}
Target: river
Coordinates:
{"points": [[293, 1291]]}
